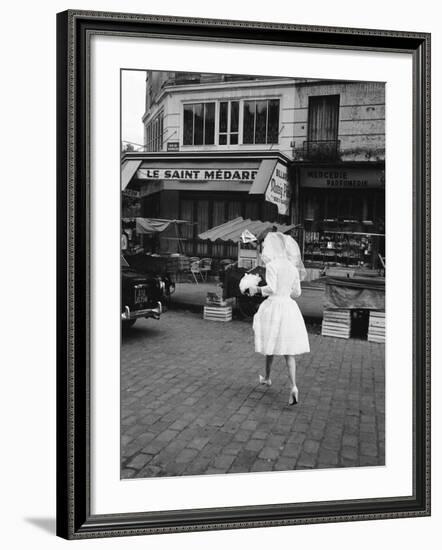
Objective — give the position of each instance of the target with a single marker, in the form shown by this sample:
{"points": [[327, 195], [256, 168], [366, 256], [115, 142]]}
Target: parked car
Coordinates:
{"points": [[142, 294]]}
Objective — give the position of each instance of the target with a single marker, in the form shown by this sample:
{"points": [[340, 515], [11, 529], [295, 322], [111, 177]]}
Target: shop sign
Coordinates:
{"points": [[278, 189], [342, 178], [173, 146], [134, 193], [205, 174]]}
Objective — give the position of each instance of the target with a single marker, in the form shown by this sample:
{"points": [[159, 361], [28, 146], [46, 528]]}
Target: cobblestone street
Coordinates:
{"points": [[191, 402]]}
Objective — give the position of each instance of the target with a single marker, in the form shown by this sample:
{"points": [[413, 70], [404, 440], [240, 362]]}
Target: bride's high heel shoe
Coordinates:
{"points": [[265, 381], [293, 399]]}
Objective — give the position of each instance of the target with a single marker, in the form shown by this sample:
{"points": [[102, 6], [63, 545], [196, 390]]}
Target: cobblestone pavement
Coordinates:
{"points": [[191, 402]]}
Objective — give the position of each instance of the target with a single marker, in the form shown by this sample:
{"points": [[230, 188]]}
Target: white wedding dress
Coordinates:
{"points": [[278, 324]]}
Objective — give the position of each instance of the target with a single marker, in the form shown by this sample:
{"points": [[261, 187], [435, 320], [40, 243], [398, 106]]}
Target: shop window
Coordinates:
{"points": [[310, 209], [202, 206], [202, 215], [234, 210], [218, 250], [359, 206], [187, 214], [151, 206], [269, 212], [187, 230], [199, 124], [261, 121], [252, 210], [345, 207], [219, 212], [228, 122]]}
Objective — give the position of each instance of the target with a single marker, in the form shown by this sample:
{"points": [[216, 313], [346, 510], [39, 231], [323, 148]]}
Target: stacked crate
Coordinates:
{"points": [[217, 309], [337, 323], [376, 327], [180, 265], [173, 264]]}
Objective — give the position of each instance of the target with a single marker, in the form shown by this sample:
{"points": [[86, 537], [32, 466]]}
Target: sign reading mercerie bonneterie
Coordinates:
{"points": [[205, 174], [342, 178]]}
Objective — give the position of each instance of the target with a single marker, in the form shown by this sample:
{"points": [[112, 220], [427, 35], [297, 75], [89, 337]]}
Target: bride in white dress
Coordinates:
{"points": [[278, 324]]}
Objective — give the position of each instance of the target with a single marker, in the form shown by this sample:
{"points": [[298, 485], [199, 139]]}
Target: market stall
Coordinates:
{"points": [[354, 305], [140, 245], [247, 235]]}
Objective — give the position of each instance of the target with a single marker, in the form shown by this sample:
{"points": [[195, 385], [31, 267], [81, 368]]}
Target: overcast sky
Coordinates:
{"points": [[132, 106]]}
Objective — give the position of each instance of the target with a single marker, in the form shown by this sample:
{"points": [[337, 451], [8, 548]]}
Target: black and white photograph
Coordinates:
{"points": [[220, 286], [253, 266]]}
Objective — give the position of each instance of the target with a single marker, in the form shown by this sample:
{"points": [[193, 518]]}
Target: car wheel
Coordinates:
{"points": [[128, 324]]}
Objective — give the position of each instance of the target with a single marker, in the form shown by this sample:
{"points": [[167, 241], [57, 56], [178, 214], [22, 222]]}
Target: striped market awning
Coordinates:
{"points": [[232, 230], [148, 226]]}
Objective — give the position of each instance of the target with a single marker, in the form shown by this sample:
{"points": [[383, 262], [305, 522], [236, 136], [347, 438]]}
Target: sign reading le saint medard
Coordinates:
{"points": [[197, 175], [277, 190]]}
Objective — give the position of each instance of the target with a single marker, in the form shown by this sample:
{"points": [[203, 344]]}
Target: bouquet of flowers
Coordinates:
{"points": [[249, 283]]}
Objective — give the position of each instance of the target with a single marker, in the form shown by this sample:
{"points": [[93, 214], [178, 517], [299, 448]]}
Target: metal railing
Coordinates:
{"points": [[321, 150]]}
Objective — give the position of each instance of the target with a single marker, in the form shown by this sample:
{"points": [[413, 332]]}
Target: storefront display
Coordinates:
{"points": [[207, 190], [342, 211], [334, 248]]}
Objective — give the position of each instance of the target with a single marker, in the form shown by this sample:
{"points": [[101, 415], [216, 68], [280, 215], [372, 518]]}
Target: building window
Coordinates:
{"points": [[323, 118], [154, 133], [261, 121], [199, 124], [228, 122]]}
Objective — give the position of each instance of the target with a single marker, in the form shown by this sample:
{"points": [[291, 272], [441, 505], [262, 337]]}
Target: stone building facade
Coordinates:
{"points": [[303, 151]]}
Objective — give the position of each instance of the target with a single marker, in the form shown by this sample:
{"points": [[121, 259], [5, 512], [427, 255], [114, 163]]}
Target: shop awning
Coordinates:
{"points": [[217, 172], [263, 176], [152, 225], [128, 171], [232, 230]]}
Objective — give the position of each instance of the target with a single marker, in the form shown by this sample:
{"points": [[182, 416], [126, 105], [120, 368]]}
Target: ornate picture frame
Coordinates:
{"points": [[75, 519]]}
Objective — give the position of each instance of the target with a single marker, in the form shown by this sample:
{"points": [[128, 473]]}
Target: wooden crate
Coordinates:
{"points": [[215, 300], [223, 314], [336, 323], [376, 327]]}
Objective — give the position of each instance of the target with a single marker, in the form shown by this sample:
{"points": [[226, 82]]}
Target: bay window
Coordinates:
{"points": [[261, 121], [199, 124], [154, 133], [228, 122]]}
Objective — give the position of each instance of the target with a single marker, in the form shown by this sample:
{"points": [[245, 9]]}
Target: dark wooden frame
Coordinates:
{"points": [[74, 519]]}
